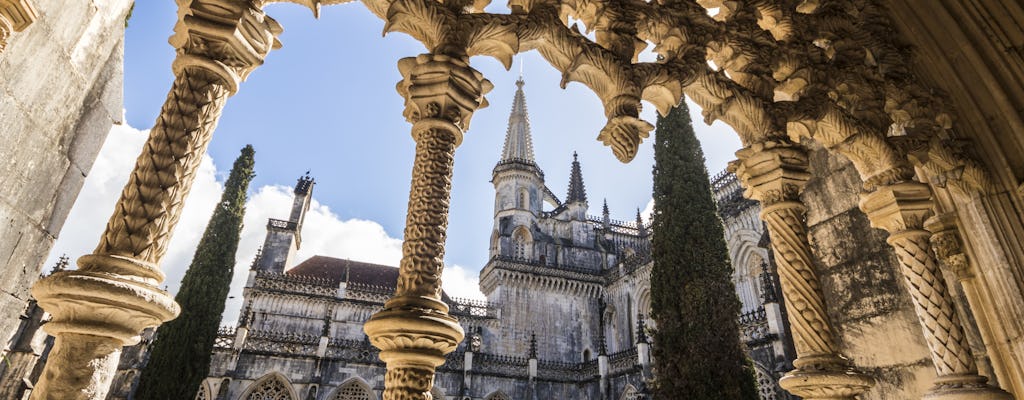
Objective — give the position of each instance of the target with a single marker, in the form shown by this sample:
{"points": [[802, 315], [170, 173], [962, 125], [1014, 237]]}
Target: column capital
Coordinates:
{"points": [[772, 171], [898, 208], [947, 244], [441, 87], [15, 16], [227, 37]]}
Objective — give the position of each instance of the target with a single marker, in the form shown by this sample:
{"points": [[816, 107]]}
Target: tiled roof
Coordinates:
{"points": [[337, 269]]}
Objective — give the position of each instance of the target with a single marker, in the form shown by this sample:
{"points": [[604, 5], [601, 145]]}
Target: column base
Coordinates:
{"points": [[825, 378], [965, 387]]}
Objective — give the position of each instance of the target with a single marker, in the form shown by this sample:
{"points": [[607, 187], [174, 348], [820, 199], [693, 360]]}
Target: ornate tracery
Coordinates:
{"points": [[270, 388], [353, 390], [781, 71]]}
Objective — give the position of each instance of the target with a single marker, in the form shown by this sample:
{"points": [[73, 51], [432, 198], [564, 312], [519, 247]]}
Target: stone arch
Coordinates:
{"points": [[222, 389], [353, 389], [272, 386], [767, 387], [746, 255], [497, 395], [630, 393], [204, 393], [522, 243]]}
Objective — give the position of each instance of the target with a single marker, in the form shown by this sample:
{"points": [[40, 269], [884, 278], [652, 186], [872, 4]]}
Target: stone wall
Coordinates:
{"points": [[863, 288], [48, 142]]}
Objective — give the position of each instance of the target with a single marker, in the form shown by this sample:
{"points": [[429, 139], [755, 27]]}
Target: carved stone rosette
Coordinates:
{"points": [[774, 173], [414, 331], [114, 294], [15, 16], [901, 209]]}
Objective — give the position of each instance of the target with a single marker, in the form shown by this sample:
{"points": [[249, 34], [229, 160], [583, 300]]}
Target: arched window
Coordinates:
{"points": [[273, 387], [353, 390], [497, 396], [586, 355], [524, 199], [631, 394], [521, 244]]}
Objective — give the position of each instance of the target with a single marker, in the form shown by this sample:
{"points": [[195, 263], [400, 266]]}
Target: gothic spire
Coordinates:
{"points": [[518, 143], [606, 218], [577, 193], [641, 230]]}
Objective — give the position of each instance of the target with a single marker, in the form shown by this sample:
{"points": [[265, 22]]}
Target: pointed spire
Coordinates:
{"points": [[606, 218], [303, 184], [641, 230], [533, 345], [518, 143], [256, 259], [577, 193], [61, 265], [641, 329]]}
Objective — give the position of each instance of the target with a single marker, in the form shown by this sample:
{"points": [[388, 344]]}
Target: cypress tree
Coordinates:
{"points": [[697, 351], [180, 356]]}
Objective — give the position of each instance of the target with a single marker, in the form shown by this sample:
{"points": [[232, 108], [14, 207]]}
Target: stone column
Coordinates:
{"points": [[775, 173], [15, 16], [414, 331], [901, 209], [115, 293]]}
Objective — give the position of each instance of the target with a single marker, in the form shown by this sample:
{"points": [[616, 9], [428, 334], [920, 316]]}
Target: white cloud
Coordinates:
{"points": [[324, 232]]}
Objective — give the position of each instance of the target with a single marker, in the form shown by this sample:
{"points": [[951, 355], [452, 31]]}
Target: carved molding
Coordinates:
{"points": [[15, 16]]}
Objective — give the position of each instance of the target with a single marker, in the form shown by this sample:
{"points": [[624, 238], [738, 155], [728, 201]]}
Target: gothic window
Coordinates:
{"points": [[353, 390], [497, 396], [521, 244], [766, 385], [586, 355], [631, 394], [222, 392], [524, 199], [273, 388]]}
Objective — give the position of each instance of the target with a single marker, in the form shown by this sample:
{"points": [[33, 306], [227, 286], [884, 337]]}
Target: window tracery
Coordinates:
{"points": [[271, 389], [352, 390]]}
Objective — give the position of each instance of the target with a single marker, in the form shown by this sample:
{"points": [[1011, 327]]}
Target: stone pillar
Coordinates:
{"points": [[115, 293], [901, 209], [414, 331], [15, 16], [948, 248], [775, 173]]}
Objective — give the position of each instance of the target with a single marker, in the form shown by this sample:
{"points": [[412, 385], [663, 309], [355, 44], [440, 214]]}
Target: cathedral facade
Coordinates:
{"points": [[565, 316]]}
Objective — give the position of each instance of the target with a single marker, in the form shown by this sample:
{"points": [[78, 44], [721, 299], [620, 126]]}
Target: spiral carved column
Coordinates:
{"points": [[115, 293], [414, 331], [775, 173], [901, 209]]}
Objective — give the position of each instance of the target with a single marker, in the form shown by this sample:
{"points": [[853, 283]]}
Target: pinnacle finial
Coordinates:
{"points": [[641, 329], [304, 183], [61, 265], [518, 142], [640, 228], [533, 345], [577, 192]]}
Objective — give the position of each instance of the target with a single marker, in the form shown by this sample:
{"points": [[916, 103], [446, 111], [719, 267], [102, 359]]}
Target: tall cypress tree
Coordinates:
{"points": [[697, 349], [180, 356]]}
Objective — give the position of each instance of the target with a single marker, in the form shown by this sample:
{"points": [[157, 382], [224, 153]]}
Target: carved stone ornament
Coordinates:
{"points": [[947, 245], [115, 293], [902, 209], [15, 16], [775, 172]]}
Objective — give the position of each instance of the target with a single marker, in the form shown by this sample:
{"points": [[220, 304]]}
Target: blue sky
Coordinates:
{"points": [[326, 102]]}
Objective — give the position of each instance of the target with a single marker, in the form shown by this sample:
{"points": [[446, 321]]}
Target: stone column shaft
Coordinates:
{"points": [[115, 293], [414, 331], [901, 209], [775, 173]]}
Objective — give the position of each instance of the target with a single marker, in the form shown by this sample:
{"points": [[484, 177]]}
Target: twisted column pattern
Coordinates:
{"points": [[427, 221], [901, 208], [774, 172], [812, 333], [943, 330], [152, 201]]}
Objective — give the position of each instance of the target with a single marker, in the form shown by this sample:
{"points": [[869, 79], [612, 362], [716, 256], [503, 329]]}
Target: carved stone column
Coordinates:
{"points": [[414, 331], [15, 16], [775, 173], [114, 294], [901, 209]]}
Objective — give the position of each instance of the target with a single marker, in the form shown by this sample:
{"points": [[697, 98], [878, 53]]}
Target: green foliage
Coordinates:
{"points": [[697, 351], [180, 355]]}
